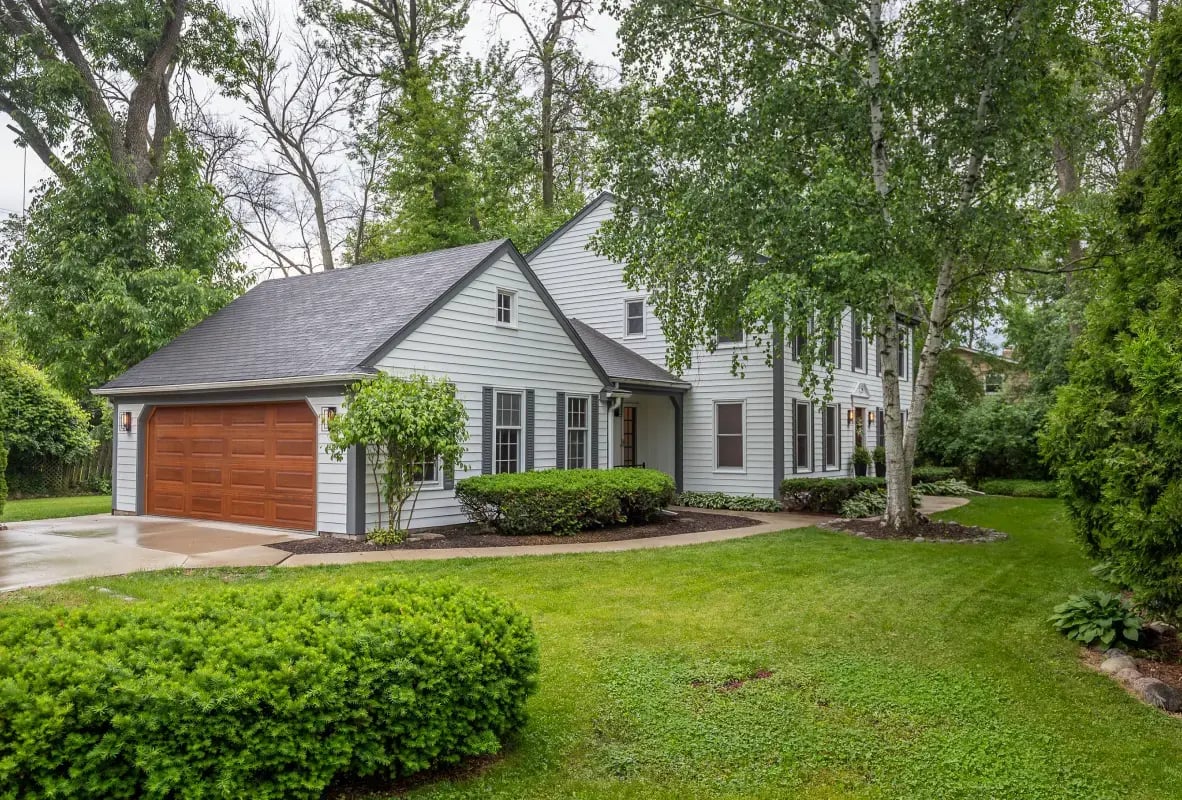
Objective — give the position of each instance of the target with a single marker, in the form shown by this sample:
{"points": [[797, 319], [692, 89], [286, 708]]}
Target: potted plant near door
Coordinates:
{"points": [[861, 461], [880, 462]]}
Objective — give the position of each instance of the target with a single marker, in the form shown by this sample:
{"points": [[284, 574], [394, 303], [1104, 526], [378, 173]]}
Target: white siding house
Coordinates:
{"points": [[591, 288]]}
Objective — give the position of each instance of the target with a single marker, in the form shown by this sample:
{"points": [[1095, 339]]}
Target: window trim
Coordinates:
{"points": [[858, 335], [643, 317], [835, 332], [519, 428], [437, 481], [836, 465], [512, 295], [586, 429], [720, 343], [808, 435], [742, 435]]}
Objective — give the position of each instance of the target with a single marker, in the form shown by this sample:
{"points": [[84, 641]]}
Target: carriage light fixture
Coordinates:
{"points": [[870, 416], [125, 421], [327, 415], [849, 417]]}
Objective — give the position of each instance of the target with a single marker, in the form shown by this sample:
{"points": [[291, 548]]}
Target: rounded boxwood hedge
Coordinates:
{"points": [[257, 693], [564, 501]]}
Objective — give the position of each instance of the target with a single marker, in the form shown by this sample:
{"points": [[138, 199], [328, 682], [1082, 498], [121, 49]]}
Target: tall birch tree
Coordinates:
{"points": [[780, 163]]}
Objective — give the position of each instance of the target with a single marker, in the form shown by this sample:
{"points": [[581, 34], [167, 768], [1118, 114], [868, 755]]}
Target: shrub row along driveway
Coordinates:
{"points": [[795, 664]]}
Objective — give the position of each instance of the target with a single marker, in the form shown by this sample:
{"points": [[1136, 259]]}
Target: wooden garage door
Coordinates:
{"points": [[254, 464]]}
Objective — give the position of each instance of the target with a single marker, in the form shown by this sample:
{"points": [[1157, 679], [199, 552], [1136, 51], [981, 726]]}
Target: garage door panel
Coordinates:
{"points": [[254, 464]]}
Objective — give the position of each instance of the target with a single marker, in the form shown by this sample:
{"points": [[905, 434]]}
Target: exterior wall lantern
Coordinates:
{"points": [[870, 417], [125, 421], [327, 415], [849, 417]]}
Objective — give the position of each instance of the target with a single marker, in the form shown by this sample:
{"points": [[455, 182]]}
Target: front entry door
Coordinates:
{"points": [[628, 436], [859, 427]]}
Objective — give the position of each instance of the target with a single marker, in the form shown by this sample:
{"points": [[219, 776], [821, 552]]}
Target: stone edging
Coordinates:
{"points": [[1121, 667]]}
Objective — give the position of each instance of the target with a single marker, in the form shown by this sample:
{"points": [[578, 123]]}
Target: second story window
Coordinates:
{"points": [[634, 317], [858, 346], [506, 308], [732, 335], [833, 343]]}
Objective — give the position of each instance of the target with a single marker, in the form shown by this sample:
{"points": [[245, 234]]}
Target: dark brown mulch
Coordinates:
{"points": [[1163, 660], [470, 535], [926, 530]]}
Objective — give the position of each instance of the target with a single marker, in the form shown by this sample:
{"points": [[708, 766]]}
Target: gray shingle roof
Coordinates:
{"points": [[620, 363], [316, 325]]}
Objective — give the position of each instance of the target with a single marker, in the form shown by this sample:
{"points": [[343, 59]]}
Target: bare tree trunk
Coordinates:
{"points": [[547, 123]]}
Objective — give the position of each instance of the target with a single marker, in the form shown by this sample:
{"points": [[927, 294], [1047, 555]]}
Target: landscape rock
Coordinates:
{"points": [[424, 537], [1158, 694], [1113, 652], [1163, 629], [1128, 676], [1117, 663]]}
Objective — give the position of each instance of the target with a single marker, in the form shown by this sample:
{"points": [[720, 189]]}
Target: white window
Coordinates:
{"points": [[728, 436], [733, 335], [994, 382], [506, 307], [802, 428], [858, 346], [577, 414], [904, 350], [634, 317], [427, 472], [507, 435], [833, 343], [829, 442]]}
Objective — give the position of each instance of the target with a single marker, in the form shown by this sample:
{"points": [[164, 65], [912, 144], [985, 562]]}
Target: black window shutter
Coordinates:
{"points": [[594, 432], [792, 436], [560, 430], [837, 436], [529, 430], [486, 439], [880, 426], [813, 439]]}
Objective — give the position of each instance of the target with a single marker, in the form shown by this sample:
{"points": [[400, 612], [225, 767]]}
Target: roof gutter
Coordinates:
{"points": [[261, 383], [682, 385]]}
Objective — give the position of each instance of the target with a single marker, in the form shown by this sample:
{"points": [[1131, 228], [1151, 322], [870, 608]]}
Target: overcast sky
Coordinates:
{"points": [[20, 172]]}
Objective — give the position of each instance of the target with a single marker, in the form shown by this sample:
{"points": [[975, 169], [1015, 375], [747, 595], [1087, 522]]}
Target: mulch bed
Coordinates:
{"points": [[471, 536], [924, 530]]}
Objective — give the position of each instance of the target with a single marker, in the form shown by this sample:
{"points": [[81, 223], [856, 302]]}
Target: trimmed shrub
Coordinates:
{"points": [[1097, 616], [1019, 488], [257, 693], [933, 474], [728, 502], [824, 495], [564, 501]]}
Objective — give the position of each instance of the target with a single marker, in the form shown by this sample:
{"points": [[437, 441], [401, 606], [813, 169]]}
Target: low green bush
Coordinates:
{"points": [[384, 537], [933, 474], [1097, 617], [728, 502], [564, 501], [256, 692], [1017, 487], [870, 503], [824, 495], [950, 487], [3, 467]]}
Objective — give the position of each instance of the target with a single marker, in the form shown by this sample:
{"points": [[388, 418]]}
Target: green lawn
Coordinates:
{"points": [[899, 669], [51, 507]]}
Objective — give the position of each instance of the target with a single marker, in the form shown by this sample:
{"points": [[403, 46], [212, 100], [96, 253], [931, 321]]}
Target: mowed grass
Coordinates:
{"points": [[897, 669], [52, 507]]}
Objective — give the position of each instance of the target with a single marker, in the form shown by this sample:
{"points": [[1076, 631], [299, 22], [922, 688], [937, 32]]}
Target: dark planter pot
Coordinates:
{"points": [[860, 470], [880, 470]]}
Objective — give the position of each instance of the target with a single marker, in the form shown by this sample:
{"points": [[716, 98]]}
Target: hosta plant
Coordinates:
{"points": [[1097, 617]]}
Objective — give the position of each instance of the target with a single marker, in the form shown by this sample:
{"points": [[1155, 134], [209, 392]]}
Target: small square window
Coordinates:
{"points": [[634, 317], [733, 334], [505, 307]]}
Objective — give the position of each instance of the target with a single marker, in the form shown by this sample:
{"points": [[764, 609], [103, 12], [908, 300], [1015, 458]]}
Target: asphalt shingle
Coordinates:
{"points": [[618, 361]]}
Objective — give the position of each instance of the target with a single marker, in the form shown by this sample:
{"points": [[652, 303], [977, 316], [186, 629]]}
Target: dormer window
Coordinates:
{"points": [[506, 308], [634, 317]]}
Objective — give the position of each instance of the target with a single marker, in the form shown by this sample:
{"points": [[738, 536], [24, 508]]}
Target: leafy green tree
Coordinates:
{"points": [[956, 389], [1114, 436], [779, 162], [40, 421], [103, 272], [103, 72], [403, 424]]}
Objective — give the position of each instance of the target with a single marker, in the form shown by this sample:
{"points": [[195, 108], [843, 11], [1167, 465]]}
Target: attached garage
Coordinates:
{"points": [[250, 463]]}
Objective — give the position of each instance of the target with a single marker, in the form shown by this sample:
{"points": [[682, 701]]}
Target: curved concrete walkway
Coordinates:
{"points": [[54, 551]]}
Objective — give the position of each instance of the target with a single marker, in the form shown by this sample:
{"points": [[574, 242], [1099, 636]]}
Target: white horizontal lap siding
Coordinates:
{"points": [[332, 495], [713, 382], [126, 466], [462, 342]]}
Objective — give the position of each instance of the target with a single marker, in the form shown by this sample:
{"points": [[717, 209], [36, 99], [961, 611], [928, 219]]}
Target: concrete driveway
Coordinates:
{"points": [[54, 550]]}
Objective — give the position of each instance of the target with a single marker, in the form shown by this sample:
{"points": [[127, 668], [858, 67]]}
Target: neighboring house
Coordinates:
{"points": [[997, 373], [558, 363]]}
